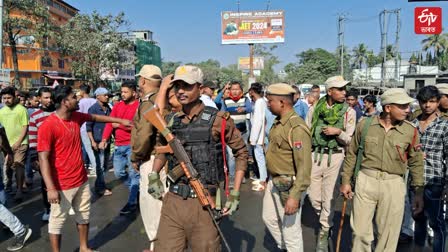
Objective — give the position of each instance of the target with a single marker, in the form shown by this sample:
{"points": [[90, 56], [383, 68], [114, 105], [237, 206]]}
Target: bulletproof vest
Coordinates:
{"points": [[204, 152]]}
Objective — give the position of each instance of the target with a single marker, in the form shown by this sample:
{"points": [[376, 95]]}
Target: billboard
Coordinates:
{"points": [[244, 63], [250, 27]]}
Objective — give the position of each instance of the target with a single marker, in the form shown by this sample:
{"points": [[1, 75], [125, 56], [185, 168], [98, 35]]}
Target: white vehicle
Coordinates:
{"points": [[306, 88]]}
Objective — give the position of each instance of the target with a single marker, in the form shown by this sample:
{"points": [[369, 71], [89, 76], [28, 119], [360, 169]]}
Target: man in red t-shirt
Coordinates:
{"points": [[62, 167], [122, 154]]}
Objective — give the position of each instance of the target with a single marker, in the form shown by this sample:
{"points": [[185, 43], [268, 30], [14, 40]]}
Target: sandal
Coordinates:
{"points": [[258, 188], [107, 192], [256, 182]]}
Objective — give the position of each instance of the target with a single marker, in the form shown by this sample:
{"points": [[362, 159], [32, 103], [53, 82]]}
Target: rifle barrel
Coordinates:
{"points": [[226, 244]]}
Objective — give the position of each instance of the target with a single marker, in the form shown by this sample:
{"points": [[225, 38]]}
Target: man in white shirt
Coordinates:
{"points": [[256, 139], [207, 90]]}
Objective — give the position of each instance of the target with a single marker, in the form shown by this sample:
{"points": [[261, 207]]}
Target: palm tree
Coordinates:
{"points": [[359, 55], [437, 43]]}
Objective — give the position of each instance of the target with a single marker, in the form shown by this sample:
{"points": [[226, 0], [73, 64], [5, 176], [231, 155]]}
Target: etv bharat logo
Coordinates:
{"points": [[428, 20]]}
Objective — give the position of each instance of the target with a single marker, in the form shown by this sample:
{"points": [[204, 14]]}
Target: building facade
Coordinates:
{"points": [[39, 66]]}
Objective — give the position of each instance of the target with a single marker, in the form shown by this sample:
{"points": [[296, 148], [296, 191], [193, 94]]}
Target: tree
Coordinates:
{"points": [[314, 66], [359, 56], [437, 44], [168, 67], [268, 75], [24, 18], [94, 43], [210, 68], [231, 73]]}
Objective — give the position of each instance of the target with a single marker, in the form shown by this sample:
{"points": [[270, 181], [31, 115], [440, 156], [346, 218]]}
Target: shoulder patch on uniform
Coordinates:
{"points": [[297, 145]]}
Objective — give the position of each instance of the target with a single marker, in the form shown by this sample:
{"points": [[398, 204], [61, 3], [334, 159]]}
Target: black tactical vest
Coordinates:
{"points": [[205, 154]]}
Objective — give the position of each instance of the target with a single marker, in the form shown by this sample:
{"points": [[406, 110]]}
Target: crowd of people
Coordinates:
{"points": [[289, 147]]}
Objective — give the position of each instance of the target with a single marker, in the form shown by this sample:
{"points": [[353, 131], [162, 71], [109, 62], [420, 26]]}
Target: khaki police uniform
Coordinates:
{"points": [[380, 188], [443, 88], [323, 176], [289, 155], [143, 141]]}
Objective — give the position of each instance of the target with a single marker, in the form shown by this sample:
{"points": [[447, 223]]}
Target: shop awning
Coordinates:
{"points": [[57, 77]]}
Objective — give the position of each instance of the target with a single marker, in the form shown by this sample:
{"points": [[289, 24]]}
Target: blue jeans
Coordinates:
{"points": [[88, 148], [432, 212], [261, 161], [131, 178], [101, 160], [6, 217], [11, 221], [29, 174]]}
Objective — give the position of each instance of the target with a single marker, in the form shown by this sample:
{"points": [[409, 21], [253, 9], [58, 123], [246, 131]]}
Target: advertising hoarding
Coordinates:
{"points": [[244, 63], [251, 27]]}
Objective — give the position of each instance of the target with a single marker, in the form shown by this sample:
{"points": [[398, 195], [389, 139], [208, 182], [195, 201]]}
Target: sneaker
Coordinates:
{"points": [[8, 188], [46, 215], [256, 182], [19, 196], [258, 187], [91, 174], [18, 242], [128, 208]]}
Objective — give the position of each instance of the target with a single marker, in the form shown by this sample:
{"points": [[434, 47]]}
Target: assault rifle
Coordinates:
{"points": [[155, 118]]}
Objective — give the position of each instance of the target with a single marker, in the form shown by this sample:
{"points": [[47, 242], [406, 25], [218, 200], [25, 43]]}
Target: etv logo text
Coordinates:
{"points": [[428, 20]]}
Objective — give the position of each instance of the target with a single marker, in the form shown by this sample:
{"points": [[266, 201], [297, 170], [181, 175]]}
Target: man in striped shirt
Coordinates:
{"points": [[238, 105], [45, 95]]}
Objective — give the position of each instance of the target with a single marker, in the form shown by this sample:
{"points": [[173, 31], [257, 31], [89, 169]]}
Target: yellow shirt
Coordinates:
{"points": [[13, 120]]}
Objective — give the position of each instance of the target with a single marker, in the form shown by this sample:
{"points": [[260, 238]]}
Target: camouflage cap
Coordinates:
{"points": [[188, 74], [280, 89], [443, 88], [395, 96]]}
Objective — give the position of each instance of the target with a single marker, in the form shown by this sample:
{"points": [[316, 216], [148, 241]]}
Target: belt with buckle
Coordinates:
{"points": [[327, 151], [380, 175], [185, 191]]}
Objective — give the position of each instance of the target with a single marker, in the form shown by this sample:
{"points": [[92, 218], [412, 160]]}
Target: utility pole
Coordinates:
{"points": [[383, 46], [397, 47], [341, 20], [251, 60]]}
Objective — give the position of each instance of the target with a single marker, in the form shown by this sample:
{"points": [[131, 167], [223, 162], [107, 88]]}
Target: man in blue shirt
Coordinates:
{"points": [[299, 106], [95, 133]]}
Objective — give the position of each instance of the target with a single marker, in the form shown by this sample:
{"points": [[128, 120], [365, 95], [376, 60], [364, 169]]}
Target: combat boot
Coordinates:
{"points": [[322, 241]]}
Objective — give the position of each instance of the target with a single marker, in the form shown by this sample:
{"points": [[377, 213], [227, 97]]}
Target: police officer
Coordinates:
{"points": [[443, 107], [391, 145], [183, 220], [289, 164], [332, 124], [143, 140]]}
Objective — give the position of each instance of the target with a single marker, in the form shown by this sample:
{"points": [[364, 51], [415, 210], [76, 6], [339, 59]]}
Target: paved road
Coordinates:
{"points": [[111, 232]]}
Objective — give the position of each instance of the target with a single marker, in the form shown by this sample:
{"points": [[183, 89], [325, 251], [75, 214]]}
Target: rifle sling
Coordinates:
{"points": [[361, 146]]}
